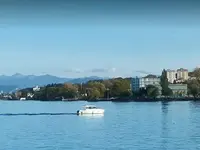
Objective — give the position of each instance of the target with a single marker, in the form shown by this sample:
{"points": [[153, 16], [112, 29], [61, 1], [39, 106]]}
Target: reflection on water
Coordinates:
{"points": [[195, 104], [164, 106], [164, 130]]}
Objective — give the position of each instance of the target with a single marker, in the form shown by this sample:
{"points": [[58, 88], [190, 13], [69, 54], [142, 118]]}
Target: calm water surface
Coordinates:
{"points": [[138, 126]]}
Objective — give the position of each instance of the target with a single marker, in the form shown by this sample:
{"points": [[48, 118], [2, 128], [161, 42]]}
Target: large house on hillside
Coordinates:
{"points": [[142, 82]]}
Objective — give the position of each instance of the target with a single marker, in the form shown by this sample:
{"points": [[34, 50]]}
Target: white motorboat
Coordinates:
{"points": [[90, 109]]}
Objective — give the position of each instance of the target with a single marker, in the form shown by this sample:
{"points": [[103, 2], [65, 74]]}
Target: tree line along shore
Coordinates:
{"points": [[116, 89]]}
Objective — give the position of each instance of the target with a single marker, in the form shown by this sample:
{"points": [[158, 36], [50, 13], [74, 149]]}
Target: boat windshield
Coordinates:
{"points": [[90, 107]]}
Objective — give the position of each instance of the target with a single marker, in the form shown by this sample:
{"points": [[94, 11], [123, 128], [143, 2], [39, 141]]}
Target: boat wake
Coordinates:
{"points": [[36, 114]]}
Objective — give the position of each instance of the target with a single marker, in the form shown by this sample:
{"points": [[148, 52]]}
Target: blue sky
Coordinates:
{"points": [[103, 45]]}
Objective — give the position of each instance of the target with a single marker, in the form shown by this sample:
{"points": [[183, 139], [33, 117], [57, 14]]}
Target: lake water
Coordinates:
{"points": [[134, 126]]}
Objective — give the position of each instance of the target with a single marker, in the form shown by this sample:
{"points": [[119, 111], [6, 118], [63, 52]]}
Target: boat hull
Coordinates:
{"points": [[90, 111]]}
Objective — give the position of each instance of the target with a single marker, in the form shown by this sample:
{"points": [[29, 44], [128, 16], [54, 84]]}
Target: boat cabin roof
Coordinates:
{"points": [[90, 106]]}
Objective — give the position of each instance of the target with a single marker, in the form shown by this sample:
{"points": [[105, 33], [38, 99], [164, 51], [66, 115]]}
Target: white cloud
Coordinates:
{"points": [[94, 70], [103, 70], [73, 71], [113, 69]]}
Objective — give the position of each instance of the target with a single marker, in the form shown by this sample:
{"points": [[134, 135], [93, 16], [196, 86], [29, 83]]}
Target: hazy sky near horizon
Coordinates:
{"points": [[103, 38]]}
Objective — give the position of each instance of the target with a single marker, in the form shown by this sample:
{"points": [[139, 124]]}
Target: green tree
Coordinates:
{"points": [[95, 93], [152, 91], [121, 88], [196, 74], [166, 91], [41, 95], [194, 83], [108, 84], [98, 86], [142, 92], [193, 87], [68, 90]]}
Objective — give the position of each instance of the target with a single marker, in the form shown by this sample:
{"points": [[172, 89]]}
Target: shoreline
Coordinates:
{"points": [[115, 100], [147, 100]]}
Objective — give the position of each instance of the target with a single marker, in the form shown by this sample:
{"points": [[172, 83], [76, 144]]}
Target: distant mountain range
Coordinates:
{"points": [[9, 83]]}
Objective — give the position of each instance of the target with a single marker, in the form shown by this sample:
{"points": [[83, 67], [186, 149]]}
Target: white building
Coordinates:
{"points": [[179, 89], [182, 74], [171, 75], [178, 75], [36, 89], [138, 83]]}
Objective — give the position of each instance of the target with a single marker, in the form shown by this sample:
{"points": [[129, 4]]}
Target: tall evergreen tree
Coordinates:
{"points": [[166, 91]]}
